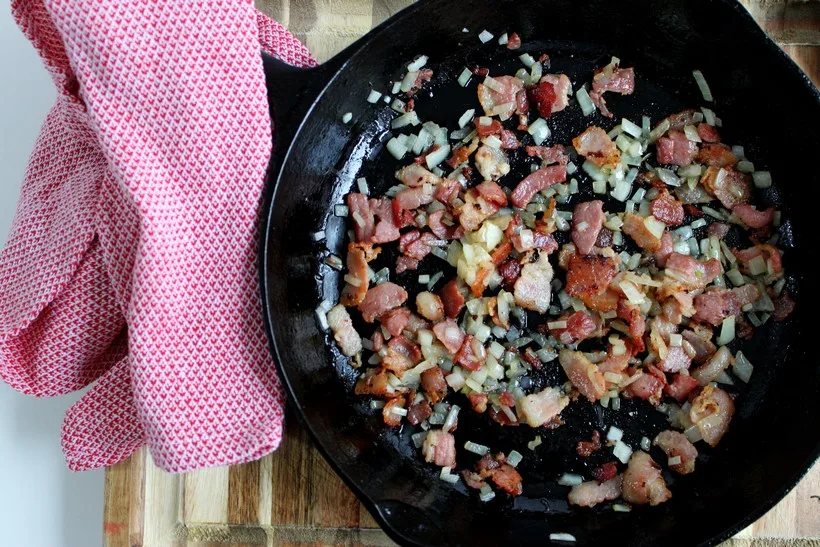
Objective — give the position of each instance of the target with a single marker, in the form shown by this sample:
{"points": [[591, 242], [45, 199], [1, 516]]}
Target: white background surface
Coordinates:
{"points": [[42, 503]]}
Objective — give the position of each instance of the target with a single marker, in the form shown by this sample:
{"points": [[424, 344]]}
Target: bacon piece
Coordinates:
{"points": [[550, 154], [532, 290], [349, 341], [433, 383], [490, 98], [404, 263], [605, 472], [435, 221], [667, 209], [596, 146], [591, 493], [542, 407], [676, 360], [604, 238], [580, 325], [429, 305], [472, 354], [689, 273], [353, 295], [542, 95], [587, 220], [769, 253], [492, 128], [604, 302], [401, 355], [711, 412], [380, 299], [378, 340], [447, 190], [452, 298], [717, 304], [676, 149], [536, 182], [729, 186], [513, 41], [450, 334], [702, 346], [390, 418], [585, 449], [419, 412], [718, 229], [386, 229], [648, 387], [410, 199], [616, 362], [508, 479], [667, 247], [478, 401], [783, 306], [681, 119], [509, 270], [681, 387], [373, 382], [509, 141], [523, 239], [707, 133], [364, 224], [395, 320], [480, 203], [675, 444], [461, 154], [473, 480], [643, 482], [416, 244], [753, 218], [589, 274], [583, 374], [439, 448], [635, 228], [415, 176], [611, 78], [631, 313], [716, 155]]}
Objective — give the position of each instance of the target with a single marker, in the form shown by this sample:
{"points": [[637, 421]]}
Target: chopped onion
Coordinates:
{"points": [[675, 340], [699, 223], [318, 236], [713, 213], [535, 443], [347, 117], [674, 460], [762, 179], [446, 476], [727, 331], [485, 36], [621, 191], [450, 421], [645, 443], [562, 536], [703, 86], [486, 493], [341, 210], [659, 131], [552, 325], [418, 63], [691, 133], [408, 118], [621, 508], [539, 130], [742, 367], [631, 128], [514, 458], [492, 141], [502, 40], [570, 479], [745, 166], [464, 77], [667, 176], [466, 117], [437, 156], [622, 451], [476, 448], [396, 149], [587, 106], [757, 266], [374, 96], [655, 226], [614, 434]]}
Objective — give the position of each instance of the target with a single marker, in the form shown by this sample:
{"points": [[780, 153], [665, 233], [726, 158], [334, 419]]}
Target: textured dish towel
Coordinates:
{"points": [[131, 262]]}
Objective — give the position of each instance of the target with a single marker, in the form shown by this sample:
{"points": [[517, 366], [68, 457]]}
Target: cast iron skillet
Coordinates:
{"points": [[766, 104]]}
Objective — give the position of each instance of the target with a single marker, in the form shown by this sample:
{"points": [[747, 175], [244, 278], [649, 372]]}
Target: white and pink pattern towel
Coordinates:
{"points": [[132, 259]]}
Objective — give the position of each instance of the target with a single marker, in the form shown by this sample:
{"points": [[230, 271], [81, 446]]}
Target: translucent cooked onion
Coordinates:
{"points": [[585, 102]]}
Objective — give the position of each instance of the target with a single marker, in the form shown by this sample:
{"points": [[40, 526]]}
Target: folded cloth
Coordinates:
{"points": [[131, 262]]}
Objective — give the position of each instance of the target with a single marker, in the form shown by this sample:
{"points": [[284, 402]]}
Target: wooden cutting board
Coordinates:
{"points": [[292, 497]]}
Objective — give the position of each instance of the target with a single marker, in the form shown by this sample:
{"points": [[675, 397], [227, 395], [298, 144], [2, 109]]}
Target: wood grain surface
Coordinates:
{"points": [[292, 497]]}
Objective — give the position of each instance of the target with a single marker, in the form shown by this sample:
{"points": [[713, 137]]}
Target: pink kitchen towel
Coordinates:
{"points": [[131, 263]]}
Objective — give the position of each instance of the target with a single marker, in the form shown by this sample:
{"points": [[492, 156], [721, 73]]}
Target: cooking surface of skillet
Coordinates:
{"points": [[766, 105]]}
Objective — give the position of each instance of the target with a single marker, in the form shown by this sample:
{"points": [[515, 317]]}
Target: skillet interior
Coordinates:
{"points": [[766, 105]]}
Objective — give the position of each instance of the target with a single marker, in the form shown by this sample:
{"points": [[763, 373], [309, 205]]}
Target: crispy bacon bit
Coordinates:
{"points": [[783, 306], [542, 96], [589, 274], [491, 99], [550, 154], [596, 146], [532, 289], [349, 341], [753, 218], [583, 374], [478, 401], [591, 493], [460, 154], [631, 313], [587, 220], [508, 479], [353, 295], [729, 186], [580, 325], [410, 199], [378, 340], [692, 210], [419, 412], [429, 305], [707, 133], [643, 482], [702, 346], [611, 78], [439, 448], [681, 387], [479, 71], [493, 128], [676, 149], [415, 176], [373, 382], [689, 273], [513, 41], [491, 162], [395, 320], [585, 449], [539, 408], [472, 353], [536, 182], [523, 239], [433, 383], [674, 443], [380, 299], [561, 87], [716, 155], [390, 418], [472, 480], [424, 75], [711, 412], [635, 228], [452, 298], [509, 271], [401, 355], [667, 209], [605, 472]]}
